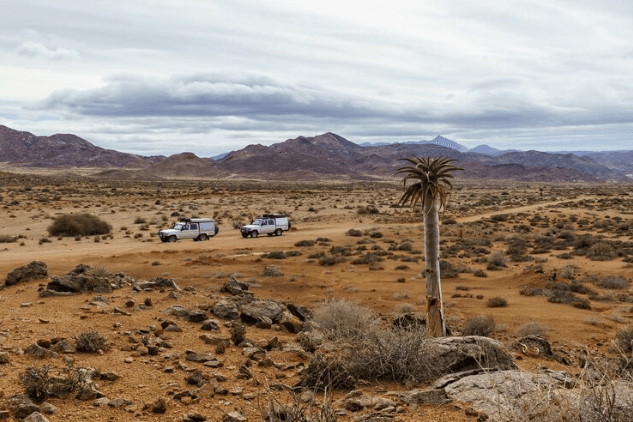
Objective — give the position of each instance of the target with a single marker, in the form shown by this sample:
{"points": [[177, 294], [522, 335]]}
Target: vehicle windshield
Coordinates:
{"points": [[178, 226], [257, 222]]}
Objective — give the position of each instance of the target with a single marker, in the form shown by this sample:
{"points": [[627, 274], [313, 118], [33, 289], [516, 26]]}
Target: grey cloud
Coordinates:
{"points": [[35, 49]]}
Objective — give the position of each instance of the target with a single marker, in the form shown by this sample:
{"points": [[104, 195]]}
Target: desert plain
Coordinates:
{"points": [[553, 257]]}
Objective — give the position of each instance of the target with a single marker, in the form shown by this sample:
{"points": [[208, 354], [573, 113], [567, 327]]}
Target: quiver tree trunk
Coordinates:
{"points": [[435, 310]]}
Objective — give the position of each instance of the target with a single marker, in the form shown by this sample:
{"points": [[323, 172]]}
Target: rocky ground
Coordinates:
{"points": [[131, 328]]}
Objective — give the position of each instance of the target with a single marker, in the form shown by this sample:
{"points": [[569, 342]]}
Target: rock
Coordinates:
{"points": [[34, 271], [197, 378], [198, 357], [25, 409], [118, 403], [48, 408], [257, 310], [39, 352], [504, 394], [234, 416], [64, 346], [234, 287], [103, 401], [290, 322], [425, 397], [45, 343], [210, 325], [300, 312], [457, 354], [196, 315], [176, 310], [194, 417], [226, 310], [120, 311], [159, 406], [109, 376], [4, 358], [35, 417], [83, 278]]}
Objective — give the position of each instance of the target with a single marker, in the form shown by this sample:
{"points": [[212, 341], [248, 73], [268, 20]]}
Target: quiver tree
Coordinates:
{"points": [[431, 187]]}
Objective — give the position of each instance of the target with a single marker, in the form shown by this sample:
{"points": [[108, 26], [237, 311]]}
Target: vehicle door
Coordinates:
{"points": [[187, 231]]}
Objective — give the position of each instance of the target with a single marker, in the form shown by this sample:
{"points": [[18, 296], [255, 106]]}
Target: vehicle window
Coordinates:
{"points": [[264, 223], [185, 227], [271, 222], [194, 227]]}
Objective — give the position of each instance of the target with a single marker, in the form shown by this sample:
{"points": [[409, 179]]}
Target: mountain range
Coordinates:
{"points": [[326, 156]]}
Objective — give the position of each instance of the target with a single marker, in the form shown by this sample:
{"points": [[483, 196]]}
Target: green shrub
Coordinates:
{"points": [[73, 225]]}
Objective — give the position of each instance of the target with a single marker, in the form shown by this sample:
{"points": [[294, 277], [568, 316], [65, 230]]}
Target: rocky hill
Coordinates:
{"points": [[328, 156], [62, 150]]}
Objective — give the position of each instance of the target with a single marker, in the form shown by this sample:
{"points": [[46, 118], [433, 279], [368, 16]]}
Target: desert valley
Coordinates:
{"points": [[327, 321]]}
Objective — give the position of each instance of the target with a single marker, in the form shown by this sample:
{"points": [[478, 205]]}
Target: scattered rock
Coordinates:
{"points": [[4, 358], [259, 309], [159, 406], [234, 417], [35, 417], [194, 417], [196, 315], [48, 408], [34, 271], [234, 287], [210, 325], [226, 310], [301, 312]]}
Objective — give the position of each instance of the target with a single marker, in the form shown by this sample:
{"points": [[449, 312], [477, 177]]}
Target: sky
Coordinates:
{"points": [[212, 76]]}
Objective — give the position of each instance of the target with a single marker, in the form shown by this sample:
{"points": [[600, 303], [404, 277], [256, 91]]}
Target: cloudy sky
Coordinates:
{"points": [[211, 76]]}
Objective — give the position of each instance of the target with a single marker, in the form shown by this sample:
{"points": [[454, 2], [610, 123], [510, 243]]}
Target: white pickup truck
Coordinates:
{"points": [[194, 228], [270, 224]]}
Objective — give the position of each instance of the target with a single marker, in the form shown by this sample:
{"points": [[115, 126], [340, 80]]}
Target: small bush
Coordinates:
{"points": [[340, 318], [7, 239], [304, 243], [568, 272], [532, 329], [140, 220], [366, 259], [480, 273], [497, 302], [91, 342], [329, 260], [74, 225], [613, 282], [354, 233], [496, 261], [272, 271], [482, 325], [601, 252], [275, 255], [624, 339]]}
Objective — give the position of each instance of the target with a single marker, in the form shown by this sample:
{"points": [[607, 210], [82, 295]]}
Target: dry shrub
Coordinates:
{"points": [[613, 283], [496, 261], [624, 339], [497, 302], [366, 259], [297, 410], [601, 252], [275, 255], [480, 273], [91, 342], [532, 329], [7, 239], [272, 271], [341, 319], [482, 325], [304, 243], [329, 260], [354, 233], [74, 225]]}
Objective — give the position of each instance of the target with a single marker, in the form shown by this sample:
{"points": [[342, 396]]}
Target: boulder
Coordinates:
{"points": [[458, 354], [226, 310], [506, 395], [234, 287], [34, 271], [35, 417], [258, 310]]}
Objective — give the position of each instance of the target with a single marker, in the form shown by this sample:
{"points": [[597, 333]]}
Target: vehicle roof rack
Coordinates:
{"points": [[271, 215]]}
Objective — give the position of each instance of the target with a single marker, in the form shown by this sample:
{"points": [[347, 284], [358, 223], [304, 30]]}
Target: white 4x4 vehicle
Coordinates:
{"points": [[194, 228], [270, 224]]}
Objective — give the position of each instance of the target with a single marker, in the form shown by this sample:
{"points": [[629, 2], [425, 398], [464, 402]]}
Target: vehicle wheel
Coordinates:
{"points": [[172, 239], [203, 237], [278, 232], [217, 230], [254, 233], [244, 235]]}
